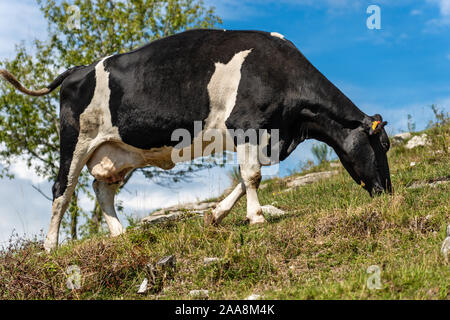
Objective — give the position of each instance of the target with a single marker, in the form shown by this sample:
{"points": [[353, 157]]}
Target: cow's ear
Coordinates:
{"points": [[377, 117], [374, 125]]}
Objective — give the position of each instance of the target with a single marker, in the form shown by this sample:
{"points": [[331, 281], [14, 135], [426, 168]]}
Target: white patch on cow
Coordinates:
{"points": [[278, 35], [222, 90]]}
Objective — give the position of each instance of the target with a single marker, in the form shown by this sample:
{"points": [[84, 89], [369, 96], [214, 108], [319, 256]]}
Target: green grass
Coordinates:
{"points": [[320, 249]]}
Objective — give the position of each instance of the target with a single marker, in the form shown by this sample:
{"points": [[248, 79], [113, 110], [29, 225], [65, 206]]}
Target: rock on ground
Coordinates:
{"points": [[161, 218], [272, 211], [143, 287], [445, 249], [432, 184], [167, 262], [177, 211], [208, 261], [417, 141], [399, 138], [199, 293], [295, 182], [253, 297]]}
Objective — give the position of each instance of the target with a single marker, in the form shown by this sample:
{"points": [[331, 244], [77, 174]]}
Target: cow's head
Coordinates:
{"points": [[363, 154]]}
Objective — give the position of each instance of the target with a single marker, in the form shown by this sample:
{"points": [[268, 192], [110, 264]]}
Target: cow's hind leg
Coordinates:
{"points": [[71, 164], [105, 195]]}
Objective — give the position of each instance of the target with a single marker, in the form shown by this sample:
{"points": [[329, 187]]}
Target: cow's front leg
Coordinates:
{"points": [[225, 206], [105, 195], [251, 176]]}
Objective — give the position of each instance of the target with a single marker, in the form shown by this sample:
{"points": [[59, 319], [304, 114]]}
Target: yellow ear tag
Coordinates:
{"points": [[362, 184], [375, 125]]}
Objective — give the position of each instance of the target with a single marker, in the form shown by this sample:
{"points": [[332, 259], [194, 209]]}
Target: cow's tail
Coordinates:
{"points": [[5, 74]]}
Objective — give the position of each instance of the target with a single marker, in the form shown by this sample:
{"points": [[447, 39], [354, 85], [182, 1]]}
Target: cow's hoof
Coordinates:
{"points": [[117, 232], [49, 245], [209, 219], [255, 220]]}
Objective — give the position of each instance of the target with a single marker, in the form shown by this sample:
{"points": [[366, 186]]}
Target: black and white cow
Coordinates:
{"points": [[119, 113]]}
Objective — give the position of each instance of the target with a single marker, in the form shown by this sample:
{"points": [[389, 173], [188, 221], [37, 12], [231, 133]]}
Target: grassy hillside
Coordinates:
{"points": [[321, 249]]}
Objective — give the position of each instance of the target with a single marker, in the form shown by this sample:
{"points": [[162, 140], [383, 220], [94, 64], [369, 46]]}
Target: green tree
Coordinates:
{"points": [[80, 32]]}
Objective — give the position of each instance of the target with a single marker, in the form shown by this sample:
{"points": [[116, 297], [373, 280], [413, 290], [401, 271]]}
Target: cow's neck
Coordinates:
{"points": [[325, 98], [329, 116], [330, 120], [325, 130]]}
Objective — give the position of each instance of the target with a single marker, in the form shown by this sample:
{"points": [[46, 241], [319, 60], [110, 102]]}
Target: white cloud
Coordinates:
{"points": [[415, 12], [444, 6], [22, 208], [443, 21], [21, 170]]}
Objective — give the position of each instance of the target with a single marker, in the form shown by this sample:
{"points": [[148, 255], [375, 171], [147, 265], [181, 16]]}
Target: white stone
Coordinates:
{"points": [[417, 141], [253, 297], [162, 218], [167, 261], [207, 261], [199, 293], [175, 212], [401, 137], [434, 184], [309, 178], [143, 287], [445, 249], [272, 211]]}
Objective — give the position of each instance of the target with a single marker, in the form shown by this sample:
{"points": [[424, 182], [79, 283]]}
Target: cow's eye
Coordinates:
{"points": [[385, 146]]}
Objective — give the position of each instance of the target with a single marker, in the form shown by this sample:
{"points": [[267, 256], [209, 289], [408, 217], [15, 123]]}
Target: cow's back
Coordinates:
{"points": [[163, 86]]}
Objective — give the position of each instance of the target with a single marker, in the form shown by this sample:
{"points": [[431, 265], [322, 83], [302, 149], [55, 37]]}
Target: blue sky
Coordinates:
{"points": [[398, 70]]}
